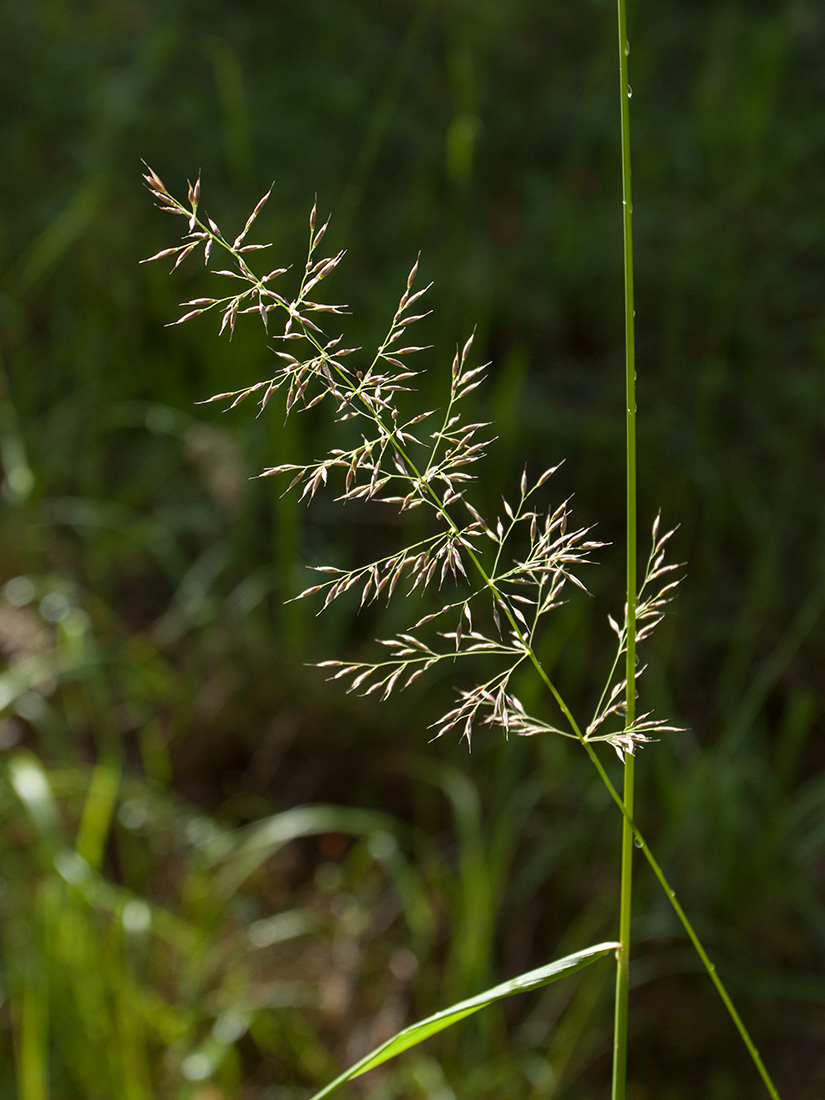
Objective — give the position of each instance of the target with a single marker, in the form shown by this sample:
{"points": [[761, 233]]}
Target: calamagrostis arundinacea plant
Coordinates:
{"points": [[499, 578]]}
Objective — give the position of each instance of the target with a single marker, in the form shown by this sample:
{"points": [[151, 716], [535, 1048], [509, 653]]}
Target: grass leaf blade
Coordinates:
{"points": [[417, 1033]]}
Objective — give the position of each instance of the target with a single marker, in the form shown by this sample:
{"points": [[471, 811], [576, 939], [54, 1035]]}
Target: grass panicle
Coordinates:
{"points": [[498, 578]]}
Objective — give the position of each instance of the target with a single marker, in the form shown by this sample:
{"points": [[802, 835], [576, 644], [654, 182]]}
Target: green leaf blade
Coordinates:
{"points": [[424, 1029]]}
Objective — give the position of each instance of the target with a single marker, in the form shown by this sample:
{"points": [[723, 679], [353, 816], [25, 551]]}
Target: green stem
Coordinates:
{"points": [[670, 893], [625, 903], [623, 954]]}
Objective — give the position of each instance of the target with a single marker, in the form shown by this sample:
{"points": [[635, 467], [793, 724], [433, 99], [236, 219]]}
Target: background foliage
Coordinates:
{"points": [[178, 920]]}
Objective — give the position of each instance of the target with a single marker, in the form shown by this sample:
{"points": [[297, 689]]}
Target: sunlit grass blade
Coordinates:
{"points": [[97, 814], [32, 787], [424, 1029], [242, 854], [32, 1055]]}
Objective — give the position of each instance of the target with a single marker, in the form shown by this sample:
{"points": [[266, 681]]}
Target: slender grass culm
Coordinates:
{"points": [[626, 888], [631, 614], [500, 578]]}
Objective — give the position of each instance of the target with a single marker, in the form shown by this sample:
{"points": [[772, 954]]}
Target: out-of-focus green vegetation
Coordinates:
{"points": [[161, 936]]}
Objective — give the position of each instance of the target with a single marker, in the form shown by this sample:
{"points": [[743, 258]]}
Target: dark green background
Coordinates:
{"points": [[484, 135]]}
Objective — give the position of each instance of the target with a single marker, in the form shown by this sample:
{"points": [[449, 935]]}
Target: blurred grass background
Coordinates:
{"points": [[220, 877]]}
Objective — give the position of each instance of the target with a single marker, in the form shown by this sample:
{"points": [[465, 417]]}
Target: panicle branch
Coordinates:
{"points": [[655, 593]]}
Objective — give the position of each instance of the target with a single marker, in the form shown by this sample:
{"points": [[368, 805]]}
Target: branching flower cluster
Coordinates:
{"points": [[654, 596], [499, 579]]}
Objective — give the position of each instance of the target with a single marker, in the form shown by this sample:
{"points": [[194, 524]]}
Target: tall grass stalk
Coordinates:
{"points": [[626, 890], [629, 831]]}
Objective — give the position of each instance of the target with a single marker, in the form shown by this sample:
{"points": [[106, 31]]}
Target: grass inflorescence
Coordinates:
{"points": [[505, 575]]}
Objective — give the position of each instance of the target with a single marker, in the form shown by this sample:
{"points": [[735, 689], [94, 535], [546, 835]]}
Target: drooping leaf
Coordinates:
{"points": [[417, 1033]]}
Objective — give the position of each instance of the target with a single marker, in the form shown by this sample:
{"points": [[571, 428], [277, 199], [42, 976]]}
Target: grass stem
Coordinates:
{"points": [[625, 902], [692, 935]]}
